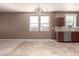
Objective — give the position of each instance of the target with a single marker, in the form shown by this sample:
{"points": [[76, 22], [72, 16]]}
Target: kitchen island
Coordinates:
{"points": [[67, 34]]}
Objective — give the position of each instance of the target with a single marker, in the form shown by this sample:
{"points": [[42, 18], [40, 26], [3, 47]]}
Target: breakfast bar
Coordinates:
{"points": [[67, 34]]}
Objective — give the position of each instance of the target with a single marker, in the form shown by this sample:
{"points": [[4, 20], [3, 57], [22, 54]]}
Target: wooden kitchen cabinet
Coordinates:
{"points": [[60, 36], [59, 21], [75, 36]]}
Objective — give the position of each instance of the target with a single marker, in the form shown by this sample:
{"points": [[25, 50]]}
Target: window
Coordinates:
{"points": [[34, 25], [39, 23], [70, 20], [44, 23]]}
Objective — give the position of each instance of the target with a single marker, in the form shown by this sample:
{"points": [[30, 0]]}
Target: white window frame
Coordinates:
{"points": [[74, 19], [33, 23], [39, 23], [45, 23]]}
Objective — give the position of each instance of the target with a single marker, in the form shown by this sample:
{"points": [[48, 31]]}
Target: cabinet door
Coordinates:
{"points": [[75, 36], [60, 21], [60, 36]]}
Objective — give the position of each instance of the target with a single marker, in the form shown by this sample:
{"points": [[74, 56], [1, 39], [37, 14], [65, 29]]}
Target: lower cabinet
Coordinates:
{"points": [[75, 36], [59, 36], [64, 36]]}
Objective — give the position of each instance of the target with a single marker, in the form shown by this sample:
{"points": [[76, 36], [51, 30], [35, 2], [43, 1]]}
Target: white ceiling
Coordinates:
{"points": [[30, 7]]}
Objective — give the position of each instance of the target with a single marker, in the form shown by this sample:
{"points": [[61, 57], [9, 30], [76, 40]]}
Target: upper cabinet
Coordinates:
{"points": [[59, 21]]}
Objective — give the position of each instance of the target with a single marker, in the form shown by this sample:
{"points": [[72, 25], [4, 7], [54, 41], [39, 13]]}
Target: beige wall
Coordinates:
{"points": [[16, 25]]}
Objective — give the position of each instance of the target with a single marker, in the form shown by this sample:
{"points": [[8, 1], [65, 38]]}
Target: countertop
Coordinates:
{"points": [[65, 29]]}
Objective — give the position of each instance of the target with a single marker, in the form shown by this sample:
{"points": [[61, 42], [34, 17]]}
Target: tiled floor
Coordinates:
{"points": [[37, 47]]}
